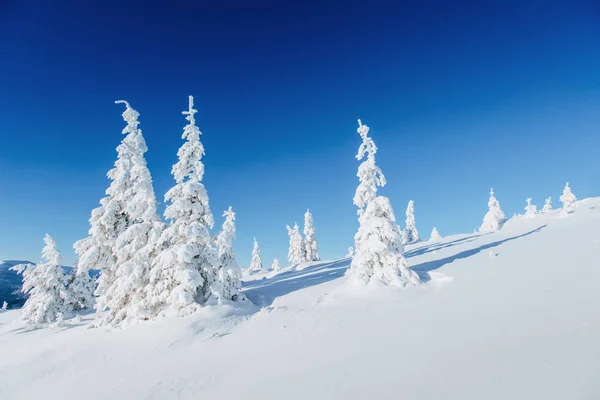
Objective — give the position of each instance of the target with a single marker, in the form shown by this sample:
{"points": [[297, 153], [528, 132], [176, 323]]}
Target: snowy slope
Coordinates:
{"points": [[507, 315]]}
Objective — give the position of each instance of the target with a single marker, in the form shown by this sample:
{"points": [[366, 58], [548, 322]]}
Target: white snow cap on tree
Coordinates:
{"points": [[256, 262], [46, 285], [530, 210], [184, 272], [296, 250], [311, 247], [494, 218], [275, 266], [435, 235], [411, 235], [230, 274], [379, 254], [568, 199], [547, 209], [135, 246]]}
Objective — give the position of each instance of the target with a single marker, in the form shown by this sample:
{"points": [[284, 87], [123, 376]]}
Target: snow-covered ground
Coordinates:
{"points": [[513, 314]]}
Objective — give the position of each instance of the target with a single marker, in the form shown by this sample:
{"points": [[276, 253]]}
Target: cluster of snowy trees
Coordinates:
{"points": [[494, 219], [148, 268], [303, 249]]}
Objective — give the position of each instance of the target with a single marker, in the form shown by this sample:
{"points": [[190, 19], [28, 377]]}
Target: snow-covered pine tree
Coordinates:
{"points": [[256, 262], [494, 218], [81, 287], [530, 210], [411, 235], [230, 274], [46, 285], [379, 253], [185, 269], [135, 247], [435, 235], [4, 306], [311, 247], [275, 266], [296, 250], [567, 199], [547, 209]]}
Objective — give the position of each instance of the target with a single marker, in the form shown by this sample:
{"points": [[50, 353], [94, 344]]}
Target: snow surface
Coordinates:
{"points": [[506, 315]]}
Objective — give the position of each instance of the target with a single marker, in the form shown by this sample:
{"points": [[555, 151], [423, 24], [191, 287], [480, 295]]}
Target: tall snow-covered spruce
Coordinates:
{"points": [[230, 274], [411, 235], [296, 250], [567, 199], [311, 247], [185, 269], [46, 285], [379, 253], [256, 262], [135, 246], [494, 218]]}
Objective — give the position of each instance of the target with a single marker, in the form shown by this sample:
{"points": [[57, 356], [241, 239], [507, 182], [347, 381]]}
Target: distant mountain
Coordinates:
{"points": [[11, 282]]}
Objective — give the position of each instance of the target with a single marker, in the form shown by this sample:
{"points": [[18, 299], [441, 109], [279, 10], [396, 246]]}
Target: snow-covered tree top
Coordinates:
{"points": [[130, 116], [369, 174], [50, 254], [190, 154]]}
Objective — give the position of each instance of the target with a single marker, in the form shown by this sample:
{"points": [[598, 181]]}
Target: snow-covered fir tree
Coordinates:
{"points": [[494, 218], [256, 262], [379, 253], [46, 285], [186, 267], [230, 274], [411, 235], [547, 209], [530, 210], [124, 297], [567, 199], [275, 266], [296, 250], [311, 247], [435, 235], [4, 306], [81, 287]]}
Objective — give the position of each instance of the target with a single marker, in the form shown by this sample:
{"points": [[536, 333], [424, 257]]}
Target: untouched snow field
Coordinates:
{"points": [[508, 315]]}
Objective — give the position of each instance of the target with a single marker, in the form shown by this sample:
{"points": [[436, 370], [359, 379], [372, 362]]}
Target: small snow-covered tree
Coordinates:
{"points": [[4, 306], [311, 247], [275, 266], [494, 218], [256, 262], [350, 252], [411, 235], [379, 253], [547, 209], [230, 274], [46, 285], [568, 199], [185, 269], [81, 288], [435, 235], [296, 250], [530, 210]]}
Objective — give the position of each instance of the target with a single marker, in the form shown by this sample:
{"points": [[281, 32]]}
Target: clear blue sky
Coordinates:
{"points": [[459, 98]]}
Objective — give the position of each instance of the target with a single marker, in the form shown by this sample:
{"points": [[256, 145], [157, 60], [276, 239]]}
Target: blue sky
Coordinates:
{"points": [[459, 98]]}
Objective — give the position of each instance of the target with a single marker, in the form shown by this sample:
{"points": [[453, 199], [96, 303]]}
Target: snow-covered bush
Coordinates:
{"points": [[379, 254], [230, 274], [567, 199], [185, 269], [435, 235], [46, 285], [311, 247], [256, 261], [275, 266], [530, 210], [411, 235], [494, 218], [296, 250]]}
